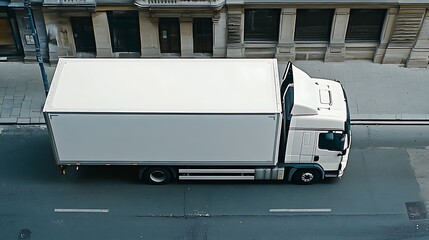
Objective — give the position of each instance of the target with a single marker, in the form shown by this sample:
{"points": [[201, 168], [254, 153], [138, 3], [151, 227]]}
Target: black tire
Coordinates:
{"points": [[156, 175], [306, 176]]}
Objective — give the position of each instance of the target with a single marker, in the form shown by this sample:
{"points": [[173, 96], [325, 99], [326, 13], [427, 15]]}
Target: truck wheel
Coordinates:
{"points": [[306, 176], [156, 175]]}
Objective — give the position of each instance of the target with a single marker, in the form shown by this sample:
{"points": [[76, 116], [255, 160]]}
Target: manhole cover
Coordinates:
{"points": [[24, 234], [416, 210]]}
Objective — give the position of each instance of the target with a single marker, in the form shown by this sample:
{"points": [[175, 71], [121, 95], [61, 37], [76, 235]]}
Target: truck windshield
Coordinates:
{"points": [[288, 102], [287, 117], [347, 125]]}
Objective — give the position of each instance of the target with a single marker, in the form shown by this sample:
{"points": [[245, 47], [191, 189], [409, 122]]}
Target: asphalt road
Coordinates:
{"points": [[367, 203]]}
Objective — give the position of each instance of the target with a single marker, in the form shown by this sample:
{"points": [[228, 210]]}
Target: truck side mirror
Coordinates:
{"points": [[343, 153]]}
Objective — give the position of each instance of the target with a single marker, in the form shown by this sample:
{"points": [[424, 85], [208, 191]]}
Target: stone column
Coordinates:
{"points": [[336, 51], [59, 37], [26, 34], [219, 32], [235, 41], [149, 37], [419, 56], [386, 34], [186, 37], [51, 23], [285, 50], [102, 34]]}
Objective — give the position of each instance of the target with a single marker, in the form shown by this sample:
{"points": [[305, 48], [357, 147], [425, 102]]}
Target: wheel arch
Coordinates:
{"points": [[173, 170], [296, 167]]}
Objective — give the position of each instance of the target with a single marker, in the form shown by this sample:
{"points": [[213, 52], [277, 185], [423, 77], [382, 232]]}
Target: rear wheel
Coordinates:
{"points": [[156, 175], [306, 176]]}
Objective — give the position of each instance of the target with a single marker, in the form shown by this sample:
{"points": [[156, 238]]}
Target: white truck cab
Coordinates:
{"points": [[316, 125]]}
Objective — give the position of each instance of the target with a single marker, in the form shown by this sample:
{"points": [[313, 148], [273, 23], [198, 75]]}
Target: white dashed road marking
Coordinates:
{"points": [[300, 210], [76, 210]]}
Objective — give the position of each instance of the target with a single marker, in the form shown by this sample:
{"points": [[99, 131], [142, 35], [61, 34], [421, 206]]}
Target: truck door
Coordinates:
{"points": [[329, 148], [307, 147]]}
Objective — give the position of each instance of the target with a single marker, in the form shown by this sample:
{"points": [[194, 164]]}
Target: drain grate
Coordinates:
{"points": [[416, 210], [24, 234]]}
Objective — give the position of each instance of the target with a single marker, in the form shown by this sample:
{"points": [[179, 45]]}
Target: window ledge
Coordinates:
{"points": [[311, 44], [259, 44], [361, 44]]}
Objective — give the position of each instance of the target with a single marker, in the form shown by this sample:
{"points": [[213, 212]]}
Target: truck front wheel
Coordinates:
{"points": [[306, 176], [156, 175]]}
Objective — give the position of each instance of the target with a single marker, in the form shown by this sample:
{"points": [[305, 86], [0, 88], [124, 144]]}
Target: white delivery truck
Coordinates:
{"points": [[206, 119]]}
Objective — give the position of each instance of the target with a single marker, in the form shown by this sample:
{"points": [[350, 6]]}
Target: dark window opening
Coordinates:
{"points": [[124, 31], [203, 35], [313, 24], [83, 34], [365, 24], [10, 41], [261, 24], [331, 141]]}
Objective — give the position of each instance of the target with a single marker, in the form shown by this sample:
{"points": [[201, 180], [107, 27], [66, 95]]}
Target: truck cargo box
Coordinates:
{"points": [[165, 111]]}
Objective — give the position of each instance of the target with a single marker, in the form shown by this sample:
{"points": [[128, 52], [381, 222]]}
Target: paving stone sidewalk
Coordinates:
{"points": [[378, 91], [21, 93], [375, 91]]}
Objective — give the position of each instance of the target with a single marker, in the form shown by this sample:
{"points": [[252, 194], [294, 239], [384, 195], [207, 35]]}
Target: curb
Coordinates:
{"points": [[21, 121], [375, 121], [408, 122]]}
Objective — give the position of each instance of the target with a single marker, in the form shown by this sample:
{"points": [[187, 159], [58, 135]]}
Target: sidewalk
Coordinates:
{"points": [[21, 92], [375, 91]]}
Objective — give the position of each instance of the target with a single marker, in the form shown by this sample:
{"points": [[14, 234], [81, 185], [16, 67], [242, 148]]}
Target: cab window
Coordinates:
{"points": [[331, 141]]}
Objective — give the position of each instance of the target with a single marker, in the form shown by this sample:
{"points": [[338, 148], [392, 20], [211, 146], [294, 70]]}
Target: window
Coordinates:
{"points": [[331, 141], [261, 25], [365, 24], [9, 39], [203, 35], [313, 24], [124, 31], [83, 34]]}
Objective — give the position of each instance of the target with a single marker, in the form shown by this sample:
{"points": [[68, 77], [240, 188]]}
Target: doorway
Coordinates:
{"points": [[10, 41], [124, 31], [203, 35], [169, 35], [83, 34]]}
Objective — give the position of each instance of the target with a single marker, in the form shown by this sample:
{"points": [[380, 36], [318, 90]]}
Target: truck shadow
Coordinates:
{"points": [[26, 156], [126, 174]]}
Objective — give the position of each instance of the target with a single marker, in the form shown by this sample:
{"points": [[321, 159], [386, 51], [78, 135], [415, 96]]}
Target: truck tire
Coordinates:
{"points": [[306, 176], [156, 175]]}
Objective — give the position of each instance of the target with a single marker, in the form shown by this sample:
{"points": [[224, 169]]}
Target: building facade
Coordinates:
{"points": [[16, 40], [386, 31]]}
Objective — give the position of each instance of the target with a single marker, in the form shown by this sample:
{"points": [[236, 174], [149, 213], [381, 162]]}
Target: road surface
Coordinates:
{"points": [[369, 202]]}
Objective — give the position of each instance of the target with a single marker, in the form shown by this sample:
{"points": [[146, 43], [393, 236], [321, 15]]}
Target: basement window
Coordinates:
{"points": [[261, 24], [365, 25]]}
